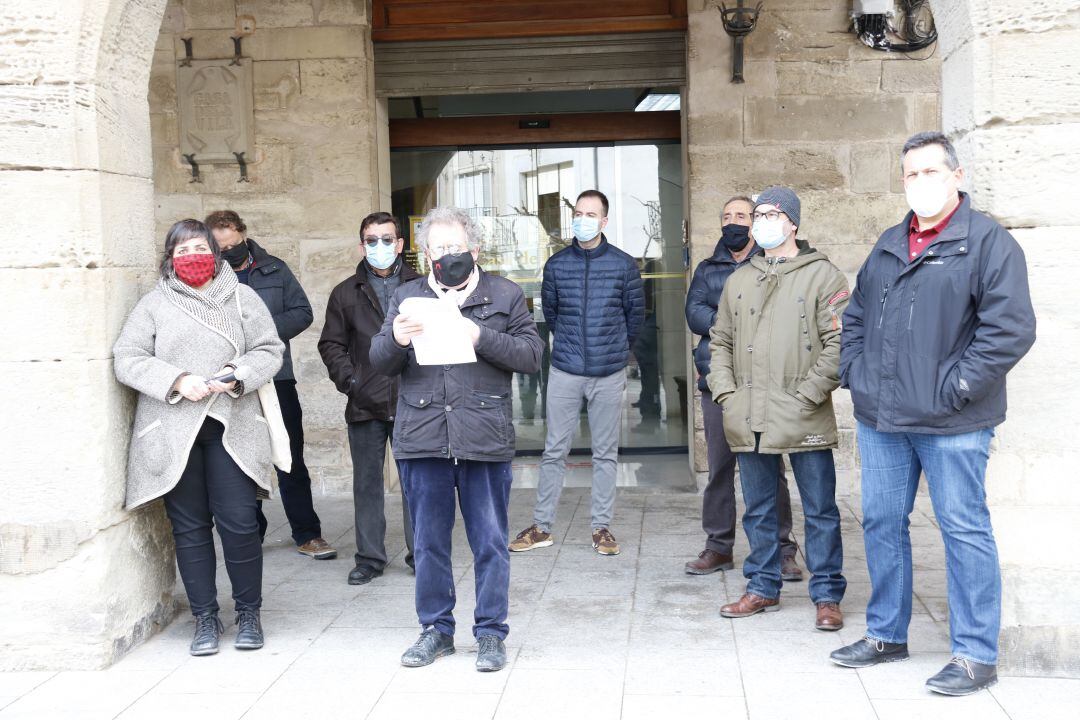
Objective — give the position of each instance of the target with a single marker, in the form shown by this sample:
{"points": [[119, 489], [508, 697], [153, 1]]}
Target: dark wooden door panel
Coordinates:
{"points": [[401, 20], [560, 129]]}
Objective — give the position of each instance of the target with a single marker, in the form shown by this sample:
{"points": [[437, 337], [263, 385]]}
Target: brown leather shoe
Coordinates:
{"points": [[750, 604], [317, 548], [789, 569], [709, 561], [829, 616]]}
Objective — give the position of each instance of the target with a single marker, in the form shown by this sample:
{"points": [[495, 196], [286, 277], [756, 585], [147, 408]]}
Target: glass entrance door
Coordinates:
{"points": [[523, 198]]}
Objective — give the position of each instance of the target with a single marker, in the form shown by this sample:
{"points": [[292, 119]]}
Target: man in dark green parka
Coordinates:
{"points": [[775, 362]]}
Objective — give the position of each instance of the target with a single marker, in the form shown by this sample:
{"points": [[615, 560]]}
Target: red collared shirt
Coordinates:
{"points": [[919, 240]]}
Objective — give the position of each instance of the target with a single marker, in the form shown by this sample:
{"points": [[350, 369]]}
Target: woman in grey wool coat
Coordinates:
{"points": [[201, 444]]}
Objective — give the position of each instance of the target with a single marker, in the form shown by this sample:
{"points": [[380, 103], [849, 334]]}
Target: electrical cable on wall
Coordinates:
{"points": [[913, 31]]}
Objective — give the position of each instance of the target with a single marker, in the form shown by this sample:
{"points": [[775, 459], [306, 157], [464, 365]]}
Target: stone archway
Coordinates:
{"points": [[1011, 104], [82, 580]]}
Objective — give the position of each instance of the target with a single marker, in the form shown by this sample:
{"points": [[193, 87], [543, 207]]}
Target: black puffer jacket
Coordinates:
{"points": [[702, 299], [354, 315], [279, 289], [927, 342], [461, 411], [594, 304]]}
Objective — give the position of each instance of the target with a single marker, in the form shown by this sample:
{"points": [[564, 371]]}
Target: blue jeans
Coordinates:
{"points": [[955, 467], [483, 491], [815, 475]]}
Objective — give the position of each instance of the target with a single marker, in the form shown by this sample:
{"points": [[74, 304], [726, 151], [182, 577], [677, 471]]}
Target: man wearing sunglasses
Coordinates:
{"points": [[354, 315]]}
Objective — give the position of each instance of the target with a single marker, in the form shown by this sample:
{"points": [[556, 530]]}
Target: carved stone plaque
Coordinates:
{"points": [[216, 109]]}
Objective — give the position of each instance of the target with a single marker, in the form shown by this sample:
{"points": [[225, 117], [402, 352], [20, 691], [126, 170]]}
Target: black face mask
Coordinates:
{"points": [[735, 237], [452, 270], [237, 255]]}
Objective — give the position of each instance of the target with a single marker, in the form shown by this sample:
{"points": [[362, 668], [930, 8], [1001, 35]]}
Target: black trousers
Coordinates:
{"points": [[295, 486], [718, 501], [367, 444], [213, 489]]}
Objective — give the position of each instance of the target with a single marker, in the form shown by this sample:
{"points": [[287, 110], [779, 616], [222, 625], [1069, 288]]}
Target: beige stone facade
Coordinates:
{"points": [[90, 171], [819, 112]]}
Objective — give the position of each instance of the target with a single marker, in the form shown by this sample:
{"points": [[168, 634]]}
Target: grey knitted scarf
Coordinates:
{"points": [[207, 306]]}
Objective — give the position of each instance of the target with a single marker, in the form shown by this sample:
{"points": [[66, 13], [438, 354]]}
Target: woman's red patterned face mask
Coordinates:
{"points": [[194, 269]]}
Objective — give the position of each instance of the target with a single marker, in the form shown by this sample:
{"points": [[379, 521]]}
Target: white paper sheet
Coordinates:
{"points": [[445, 340]]}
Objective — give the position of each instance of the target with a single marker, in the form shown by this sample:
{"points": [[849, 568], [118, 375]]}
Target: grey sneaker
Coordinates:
{"points": [[429, 647], [491, 655]]}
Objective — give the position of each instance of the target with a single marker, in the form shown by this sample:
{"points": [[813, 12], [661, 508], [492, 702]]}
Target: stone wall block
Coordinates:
{"points": [[341, 12], [1004, 163], [211, 44], [916, 76], [71, 435], [124, 577], [339, 81], [278, 13], [817, 119], [802, 167], [324, 406], [277, 84], [94, 226], [44, 45], [347, 41], [165, 129], [870, 168], [87, 309], [830, 77], [200, 14]]}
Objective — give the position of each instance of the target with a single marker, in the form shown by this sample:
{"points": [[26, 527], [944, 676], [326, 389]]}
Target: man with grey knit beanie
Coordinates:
{"points": [[775, 385]]}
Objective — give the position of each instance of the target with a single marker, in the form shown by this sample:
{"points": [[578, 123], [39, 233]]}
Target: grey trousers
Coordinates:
{"points": [[604, 399], [367, 444], [718, 501]]}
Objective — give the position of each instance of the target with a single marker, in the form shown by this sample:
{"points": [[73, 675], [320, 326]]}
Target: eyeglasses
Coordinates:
{"points": [[438, 252], [770, 215], [372, 240]]}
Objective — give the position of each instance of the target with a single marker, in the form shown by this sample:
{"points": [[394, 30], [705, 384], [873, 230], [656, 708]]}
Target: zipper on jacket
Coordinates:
{"points": [[911, 308], [884, 295], [584, 306]]}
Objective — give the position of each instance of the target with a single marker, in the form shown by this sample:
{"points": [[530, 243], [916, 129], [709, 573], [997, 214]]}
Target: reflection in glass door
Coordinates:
{"points": [[523, 198]]}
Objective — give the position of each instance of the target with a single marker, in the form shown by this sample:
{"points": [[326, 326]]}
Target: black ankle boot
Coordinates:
{"points": [[208, 631], [249, 634]]}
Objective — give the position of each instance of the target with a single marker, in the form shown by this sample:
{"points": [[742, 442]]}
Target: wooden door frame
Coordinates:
{"points": [[529, 130]]}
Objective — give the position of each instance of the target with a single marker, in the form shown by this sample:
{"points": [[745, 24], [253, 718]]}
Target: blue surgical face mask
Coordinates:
{"points": [[382, 256], [586, 228], [769, 234]]}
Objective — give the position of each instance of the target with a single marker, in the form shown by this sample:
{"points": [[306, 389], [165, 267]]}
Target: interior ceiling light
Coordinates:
{"points": [[659, 101]]}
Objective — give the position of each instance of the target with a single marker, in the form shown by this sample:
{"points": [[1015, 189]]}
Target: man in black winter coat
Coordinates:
{"points": [[454, 438], [941, 312], [354, 316], [718, 513], [275, 283]]}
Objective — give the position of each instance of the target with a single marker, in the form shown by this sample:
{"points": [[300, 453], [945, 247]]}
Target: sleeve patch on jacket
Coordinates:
{"points": [[842, 295]]}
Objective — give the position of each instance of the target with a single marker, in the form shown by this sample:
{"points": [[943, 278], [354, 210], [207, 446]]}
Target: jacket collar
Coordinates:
{"points": [[722, 256], [595, 252], [406, 272], [264, 261], [896, 240]]}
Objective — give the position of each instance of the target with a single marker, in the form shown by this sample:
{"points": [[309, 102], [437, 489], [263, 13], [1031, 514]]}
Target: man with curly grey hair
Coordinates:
{"points": [[453, 433]]}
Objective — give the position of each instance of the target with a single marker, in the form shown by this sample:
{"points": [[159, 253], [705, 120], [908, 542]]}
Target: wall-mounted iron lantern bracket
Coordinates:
{"points": [[739, 22]]}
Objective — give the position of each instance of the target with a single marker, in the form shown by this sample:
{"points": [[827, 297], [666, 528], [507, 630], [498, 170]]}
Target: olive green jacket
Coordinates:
{"points": [[776, 352]]}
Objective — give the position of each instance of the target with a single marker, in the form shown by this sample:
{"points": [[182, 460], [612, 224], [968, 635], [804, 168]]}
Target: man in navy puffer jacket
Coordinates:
{"points": [[594, 305]]}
